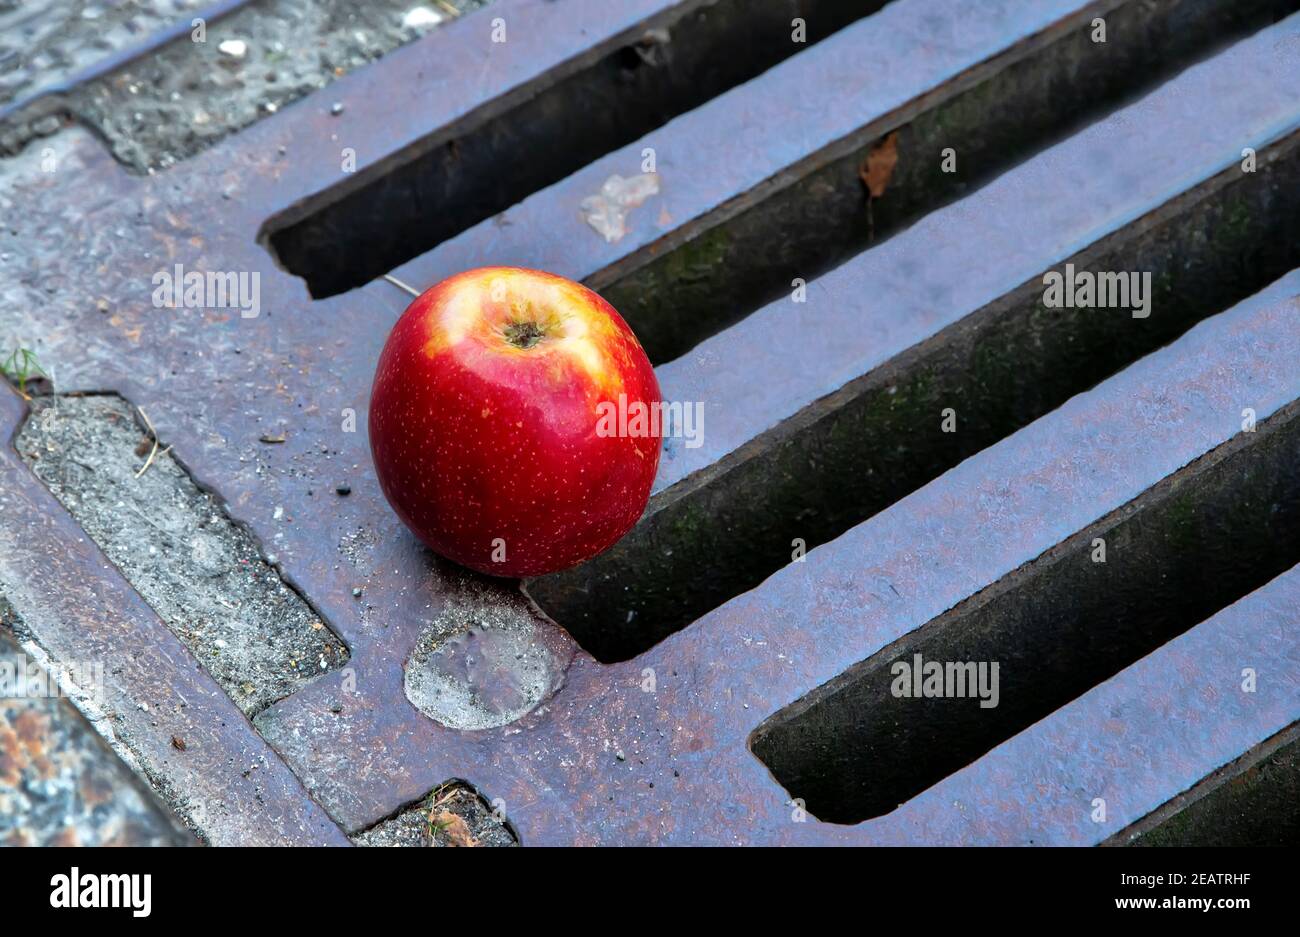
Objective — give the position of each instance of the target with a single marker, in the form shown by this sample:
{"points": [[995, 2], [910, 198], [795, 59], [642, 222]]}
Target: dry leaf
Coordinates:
{"points": [[455, 827], [879, 167]]}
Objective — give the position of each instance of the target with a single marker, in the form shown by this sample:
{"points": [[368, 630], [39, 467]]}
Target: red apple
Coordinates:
{"points": [[486, 421]]}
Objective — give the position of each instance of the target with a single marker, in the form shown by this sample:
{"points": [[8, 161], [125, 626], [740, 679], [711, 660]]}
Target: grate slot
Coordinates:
{"points": [[994, 116], [1255, 801], [455, 179], [859, 450], [1202, 538]]}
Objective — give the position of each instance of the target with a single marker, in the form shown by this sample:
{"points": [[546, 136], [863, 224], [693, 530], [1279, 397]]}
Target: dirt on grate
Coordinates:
{"points": [[453, 815], [178, 548]]}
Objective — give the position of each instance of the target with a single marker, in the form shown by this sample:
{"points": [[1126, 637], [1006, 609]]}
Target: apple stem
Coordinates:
{"points": [[400, 285]]}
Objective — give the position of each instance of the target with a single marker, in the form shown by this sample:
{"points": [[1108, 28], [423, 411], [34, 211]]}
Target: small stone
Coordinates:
{"points": [[420, 17], [356, 592], [344, 489], [235, 48], [620, 756], [336, 108]]}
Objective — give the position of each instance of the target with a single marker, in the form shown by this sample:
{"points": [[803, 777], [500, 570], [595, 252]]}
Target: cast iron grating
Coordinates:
{"points": [[906, 450]]}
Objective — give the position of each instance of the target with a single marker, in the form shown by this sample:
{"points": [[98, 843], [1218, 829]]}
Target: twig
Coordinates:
{"points": [[400, 285], [152, 452], [447, 7]]}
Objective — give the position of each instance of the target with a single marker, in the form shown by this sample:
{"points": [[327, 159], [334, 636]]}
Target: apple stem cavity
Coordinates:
{"points": [[524, 334]]}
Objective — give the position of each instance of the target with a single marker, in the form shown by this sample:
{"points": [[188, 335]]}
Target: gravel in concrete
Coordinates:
{"points": [[188, 95], [179, 549], [453, 815]]}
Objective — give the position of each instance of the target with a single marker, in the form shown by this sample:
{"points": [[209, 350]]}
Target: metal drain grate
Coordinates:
{"points": [[906, 450]]}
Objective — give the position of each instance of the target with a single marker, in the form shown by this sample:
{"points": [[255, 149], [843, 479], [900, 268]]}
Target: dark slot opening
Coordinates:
{"points": [[721, 532], [453, 180], [819, 215], [1195, 543], [1253, 802]]}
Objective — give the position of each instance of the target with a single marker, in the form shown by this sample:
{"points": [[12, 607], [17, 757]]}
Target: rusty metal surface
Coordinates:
{"points": [[59, 783], [189, 738], [1248, 802], [1160, 726], [941, 269], [603, 760], [712, 158], [687, 775]]}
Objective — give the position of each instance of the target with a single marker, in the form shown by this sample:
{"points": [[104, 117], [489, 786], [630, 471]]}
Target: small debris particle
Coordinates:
{"points": [[420, 17], [336, 108], [607, 210], [178, 743], [878, 168], [235, 48], [455, 827], [272, 440], [356, 592], [344, 489]]}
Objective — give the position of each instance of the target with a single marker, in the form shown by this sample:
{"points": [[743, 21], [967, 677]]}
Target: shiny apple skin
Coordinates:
{"points": [[480, 443]]}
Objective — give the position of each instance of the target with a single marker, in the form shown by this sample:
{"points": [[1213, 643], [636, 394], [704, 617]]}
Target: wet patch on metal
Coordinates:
{"points": [[177, 545], [453, 815], [485, 661], [60, 784]]}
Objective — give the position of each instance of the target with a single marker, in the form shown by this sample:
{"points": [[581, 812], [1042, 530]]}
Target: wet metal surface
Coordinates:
{"points": [[653, 750]]}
